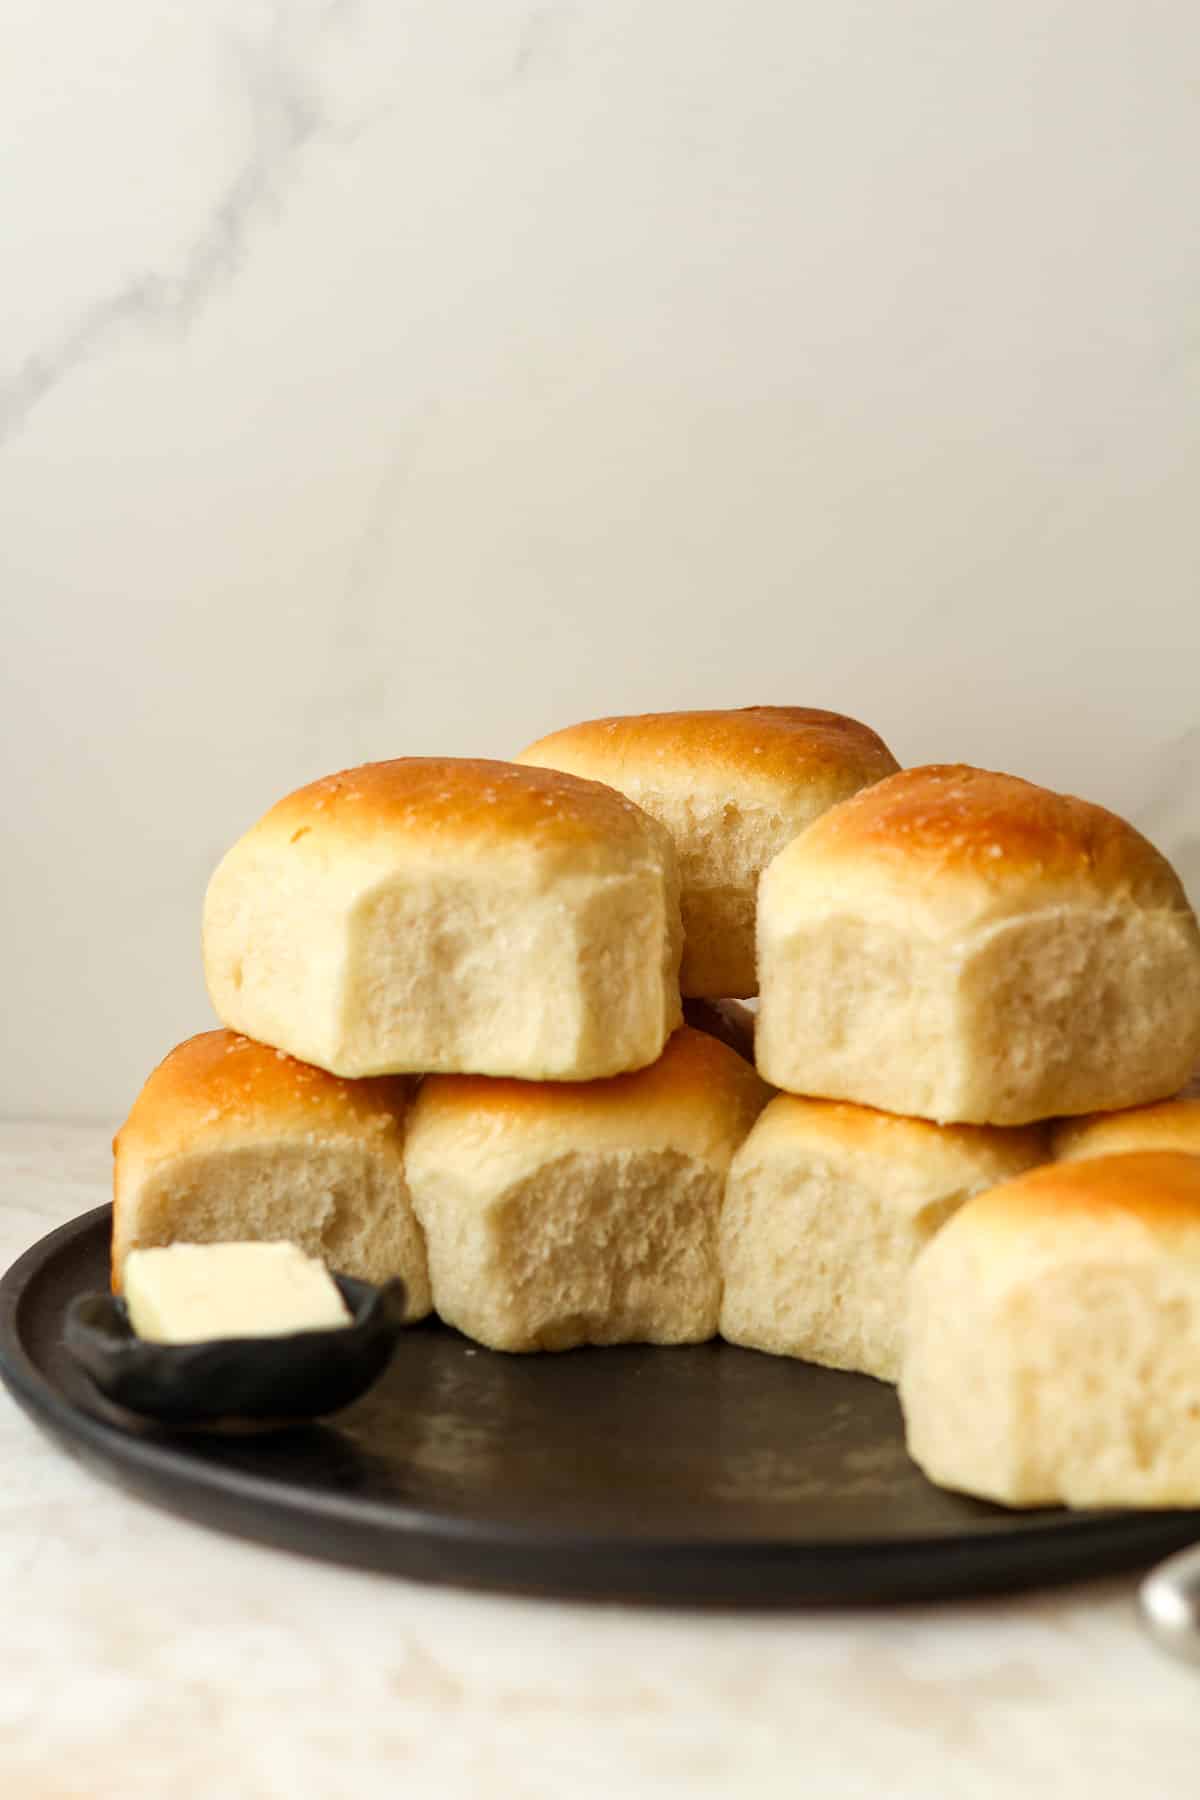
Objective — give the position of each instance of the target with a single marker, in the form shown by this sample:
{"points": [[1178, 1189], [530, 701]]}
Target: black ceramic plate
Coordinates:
{"points": [[701, 1475]]}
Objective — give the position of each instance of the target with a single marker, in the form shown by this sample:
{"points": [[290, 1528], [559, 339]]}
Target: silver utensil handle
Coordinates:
{"points": [[1169, 1598]]}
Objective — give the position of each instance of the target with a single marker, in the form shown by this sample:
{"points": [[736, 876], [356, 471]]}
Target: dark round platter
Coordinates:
{"points": [[708, 1475]]}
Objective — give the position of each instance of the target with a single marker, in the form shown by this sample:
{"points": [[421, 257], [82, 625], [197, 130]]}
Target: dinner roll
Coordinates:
{"points": [[585, 1213], [230, 1141], [732, 788], [444, 914], [1167, 1125], [826, 1207], [966, 946], [1053, 1344]]}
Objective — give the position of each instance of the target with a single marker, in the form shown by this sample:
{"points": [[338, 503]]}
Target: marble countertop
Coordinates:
{"points": [[142, 1657]]}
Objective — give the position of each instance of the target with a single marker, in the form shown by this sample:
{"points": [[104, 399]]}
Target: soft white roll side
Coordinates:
{"points": [[559, 1214], [964, 946], [826, 1208], [230, 1141], [1053, 1344], [444, 914]]}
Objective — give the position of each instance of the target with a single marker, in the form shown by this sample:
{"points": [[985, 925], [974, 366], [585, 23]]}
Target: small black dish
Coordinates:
{"points": [[232, 1384]]}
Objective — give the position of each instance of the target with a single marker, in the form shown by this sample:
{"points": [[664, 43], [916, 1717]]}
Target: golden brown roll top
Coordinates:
{"points": [[954, 1157], [970, 843], [698, 1100], [777, 748], [1167, 1125], [463, 806], [1148, 1198], [221, 1084], [732, 788]]}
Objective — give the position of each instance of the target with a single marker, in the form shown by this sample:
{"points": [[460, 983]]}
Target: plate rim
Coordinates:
{"points": [[161, 1469]]}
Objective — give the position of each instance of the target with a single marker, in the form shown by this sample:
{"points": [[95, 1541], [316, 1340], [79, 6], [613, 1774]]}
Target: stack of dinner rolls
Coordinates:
{"points": [[951, 961], [480, 1029]]}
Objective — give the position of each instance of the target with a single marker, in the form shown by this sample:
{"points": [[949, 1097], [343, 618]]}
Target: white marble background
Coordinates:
{"points": [[407, 375]]}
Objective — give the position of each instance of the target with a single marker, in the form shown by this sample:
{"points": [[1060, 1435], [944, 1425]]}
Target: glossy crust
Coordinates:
{"points": [[1166, 1125], [765, 744], [948, 825], [222, 1083], [1157, 1189], [443, 799], [700, 1098], [792, 1122]]}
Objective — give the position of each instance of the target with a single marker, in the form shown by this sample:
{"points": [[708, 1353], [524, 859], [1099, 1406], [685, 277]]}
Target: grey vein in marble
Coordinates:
{"points": [[284, 117], [537, 49]]}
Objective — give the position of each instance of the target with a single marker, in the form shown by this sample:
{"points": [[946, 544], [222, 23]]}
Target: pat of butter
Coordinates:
{"points": [[187, 1293]]}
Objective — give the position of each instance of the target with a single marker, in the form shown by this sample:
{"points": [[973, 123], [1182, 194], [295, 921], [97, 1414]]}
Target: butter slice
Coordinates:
{"points": [[187, 1293]]}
